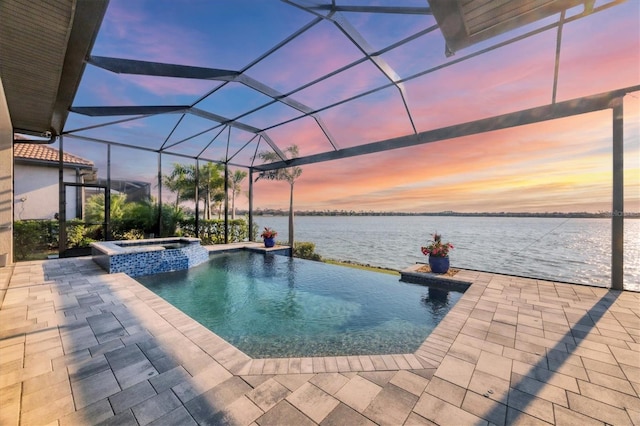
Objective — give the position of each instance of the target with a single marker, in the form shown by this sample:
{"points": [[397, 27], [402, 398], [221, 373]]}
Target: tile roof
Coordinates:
{"points": [[38, 152]]}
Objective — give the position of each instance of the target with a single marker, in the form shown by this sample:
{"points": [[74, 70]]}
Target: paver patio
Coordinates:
{"points": [[79, 346]]}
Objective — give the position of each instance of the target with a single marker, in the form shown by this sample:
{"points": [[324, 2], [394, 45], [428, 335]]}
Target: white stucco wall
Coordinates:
{"points": [[6, 182], [36, 192]]}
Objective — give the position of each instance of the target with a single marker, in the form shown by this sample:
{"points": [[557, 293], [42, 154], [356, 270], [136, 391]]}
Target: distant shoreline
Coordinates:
{"points": [[580, 215]]}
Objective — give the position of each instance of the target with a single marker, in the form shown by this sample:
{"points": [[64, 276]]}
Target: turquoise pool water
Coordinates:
{"points": [[272, 306]]}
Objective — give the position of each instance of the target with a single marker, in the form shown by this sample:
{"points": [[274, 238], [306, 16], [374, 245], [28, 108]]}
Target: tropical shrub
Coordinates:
{"points": [[132, 234], [134, 219], [305, 250], [81, 235], [29, 236], [94, 209]]}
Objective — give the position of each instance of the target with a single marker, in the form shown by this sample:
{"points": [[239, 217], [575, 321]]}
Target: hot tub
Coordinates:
{"points": [[144, 257]]}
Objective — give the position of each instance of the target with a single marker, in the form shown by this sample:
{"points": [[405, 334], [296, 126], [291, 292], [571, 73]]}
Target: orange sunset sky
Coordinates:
{"points": [[564, 166]]}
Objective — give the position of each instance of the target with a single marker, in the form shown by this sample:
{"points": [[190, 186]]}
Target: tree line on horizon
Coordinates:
{"points": [[281, 212]]}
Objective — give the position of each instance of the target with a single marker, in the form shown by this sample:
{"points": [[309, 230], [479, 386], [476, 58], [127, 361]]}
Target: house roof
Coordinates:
{"points": [[43, 153]]}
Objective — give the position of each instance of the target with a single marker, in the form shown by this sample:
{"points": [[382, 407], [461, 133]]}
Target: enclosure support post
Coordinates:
{"points": [[617, 217], [250, 204], [62, 207], [107, 198], [159, 218], [197, 197], [226, 203]]}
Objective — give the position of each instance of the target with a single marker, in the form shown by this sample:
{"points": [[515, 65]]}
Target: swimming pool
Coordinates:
{"points": [[271, 306]]}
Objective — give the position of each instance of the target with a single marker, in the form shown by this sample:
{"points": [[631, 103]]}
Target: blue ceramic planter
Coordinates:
{"points": [[269, 242], [439, 265]]}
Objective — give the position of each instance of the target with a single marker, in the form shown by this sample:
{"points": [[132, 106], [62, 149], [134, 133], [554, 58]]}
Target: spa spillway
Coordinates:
{"points": [[144, 257]]}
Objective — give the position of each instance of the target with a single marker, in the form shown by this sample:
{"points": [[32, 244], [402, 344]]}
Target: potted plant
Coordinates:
{"points": [[269, 235], [438, 253]]}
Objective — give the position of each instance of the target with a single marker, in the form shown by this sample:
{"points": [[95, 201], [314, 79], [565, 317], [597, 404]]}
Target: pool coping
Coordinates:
{"points": [[442, 281], [113, 248]]}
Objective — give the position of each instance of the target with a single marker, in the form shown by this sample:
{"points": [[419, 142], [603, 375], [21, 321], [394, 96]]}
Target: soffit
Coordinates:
{"points": [[42, 49]]}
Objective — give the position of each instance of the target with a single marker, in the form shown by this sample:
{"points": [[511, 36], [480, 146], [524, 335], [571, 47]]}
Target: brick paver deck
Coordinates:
{"points": [[79, 346]]}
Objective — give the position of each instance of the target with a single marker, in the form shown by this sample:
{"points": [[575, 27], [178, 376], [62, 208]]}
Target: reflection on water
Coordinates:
{"points": [[436, 296], [436, 300]]}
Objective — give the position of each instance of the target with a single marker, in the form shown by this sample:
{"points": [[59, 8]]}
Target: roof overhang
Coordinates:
{"points": [[43, 47], [464, 23], [52, 164]]}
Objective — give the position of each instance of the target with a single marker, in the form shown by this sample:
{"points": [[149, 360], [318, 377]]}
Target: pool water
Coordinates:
{"points": [[271, 306]]}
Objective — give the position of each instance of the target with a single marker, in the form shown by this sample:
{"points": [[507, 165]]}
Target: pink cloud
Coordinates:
{"points": [[131, 32], [543, 167], [311, 56], [108, 96]]}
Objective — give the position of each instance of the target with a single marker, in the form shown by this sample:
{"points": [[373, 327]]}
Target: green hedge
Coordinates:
{"points": [[31, 237], [212, 231]]}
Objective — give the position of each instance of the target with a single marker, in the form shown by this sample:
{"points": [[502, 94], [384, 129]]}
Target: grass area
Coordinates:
{"points": [[361, 266]]}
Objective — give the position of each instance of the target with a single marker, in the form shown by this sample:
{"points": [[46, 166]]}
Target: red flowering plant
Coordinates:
{"points": [[437, 248], [268, 233]]}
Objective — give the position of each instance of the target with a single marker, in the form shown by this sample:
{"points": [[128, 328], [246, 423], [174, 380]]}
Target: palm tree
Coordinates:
{"points": [[211, 181], [178, 181], [218, 202], [94, 211], [234, 184], [289, 174], [182, 180]]}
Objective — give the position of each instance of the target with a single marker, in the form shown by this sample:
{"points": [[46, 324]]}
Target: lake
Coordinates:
{"points": [[571, 250]]}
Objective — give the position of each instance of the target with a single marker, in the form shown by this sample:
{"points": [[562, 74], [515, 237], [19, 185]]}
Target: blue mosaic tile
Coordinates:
{"points": [[114, 257]]}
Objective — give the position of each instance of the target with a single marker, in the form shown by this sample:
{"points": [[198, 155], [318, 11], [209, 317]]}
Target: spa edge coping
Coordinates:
{"points": [[112, 248], [115, 247]]}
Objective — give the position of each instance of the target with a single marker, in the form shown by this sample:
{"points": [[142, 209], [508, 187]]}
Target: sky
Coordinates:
{"points": [[556, 166]]}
